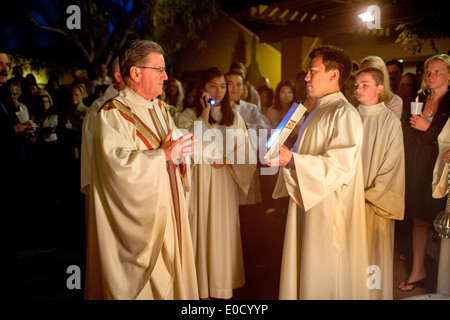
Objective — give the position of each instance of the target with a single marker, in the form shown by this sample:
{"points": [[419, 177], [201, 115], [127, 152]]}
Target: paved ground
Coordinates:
{"points": [[43, 259]]}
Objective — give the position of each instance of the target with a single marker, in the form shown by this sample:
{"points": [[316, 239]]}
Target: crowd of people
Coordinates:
{"points": [[173, 231]]}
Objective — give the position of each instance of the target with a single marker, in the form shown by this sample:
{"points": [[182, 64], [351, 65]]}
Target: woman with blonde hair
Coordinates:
{"points": [[174, 97], [421, 151], [392, 101], [174, 93]]}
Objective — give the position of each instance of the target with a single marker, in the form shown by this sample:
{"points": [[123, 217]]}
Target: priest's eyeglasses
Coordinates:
{"points": [[159, 70]]}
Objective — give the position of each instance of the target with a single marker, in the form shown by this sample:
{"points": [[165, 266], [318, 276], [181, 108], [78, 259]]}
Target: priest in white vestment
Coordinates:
{"points": [[325, 252], [383, 160], [138, 238], [221, 167]]}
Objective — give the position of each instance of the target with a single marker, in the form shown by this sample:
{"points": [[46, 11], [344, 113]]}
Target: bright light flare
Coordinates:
{"points": [[366, 17]]}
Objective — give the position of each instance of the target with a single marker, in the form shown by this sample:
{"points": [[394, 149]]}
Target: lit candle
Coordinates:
{"points": [[417, 103]]}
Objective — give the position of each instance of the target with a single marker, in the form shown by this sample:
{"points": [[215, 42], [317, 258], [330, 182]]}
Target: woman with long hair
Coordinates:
{"points": [[174, 93], [217, 175], [421, 151], [174, 97], [285, 95]]}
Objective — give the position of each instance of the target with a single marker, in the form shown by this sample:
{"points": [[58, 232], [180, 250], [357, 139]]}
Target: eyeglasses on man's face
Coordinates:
{"points": [[159, 70]]}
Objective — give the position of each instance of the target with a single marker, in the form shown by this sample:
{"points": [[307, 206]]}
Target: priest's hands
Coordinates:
{"points": [[281, 158], [183, 147]]}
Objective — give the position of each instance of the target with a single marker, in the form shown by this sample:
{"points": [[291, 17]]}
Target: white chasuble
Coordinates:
{"points": [[383, 160], [138, 237], [214, 202], [325, 252], [86, 138]]}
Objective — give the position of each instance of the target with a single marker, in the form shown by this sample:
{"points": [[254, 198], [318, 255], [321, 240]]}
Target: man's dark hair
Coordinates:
{"points": [[334, 58], [395, 62], [237, 73]]}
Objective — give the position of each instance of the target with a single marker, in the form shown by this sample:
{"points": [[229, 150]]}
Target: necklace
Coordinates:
{"points": [[432, 108]]}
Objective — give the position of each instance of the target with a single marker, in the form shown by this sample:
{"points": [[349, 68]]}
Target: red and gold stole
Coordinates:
{"points": [[171, 168], [147, 136]]}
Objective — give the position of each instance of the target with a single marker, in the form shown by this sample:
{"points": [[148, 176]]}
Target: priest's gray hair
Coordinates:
{"points": [[135, 53]]}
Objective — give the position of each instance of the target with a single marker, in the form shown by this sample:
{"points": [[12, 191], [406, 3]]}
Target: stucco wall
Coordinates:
{"points": [[219, 44]]}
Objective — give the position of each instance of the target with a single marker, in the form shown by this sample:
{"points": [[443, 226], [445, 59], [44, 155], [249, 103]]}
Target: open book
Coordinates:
{"points": [[284, 129]]}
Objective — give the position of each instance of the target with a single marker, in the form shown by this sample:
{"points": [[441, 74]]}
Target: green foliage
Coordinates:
{"points": [[171, 23], [414, 35], [174, 23]]}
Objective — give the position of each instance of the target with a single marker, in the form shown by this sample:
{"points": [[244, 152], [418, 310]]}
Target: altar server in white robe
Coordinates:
{"points": [[325, 252], [259, 128], [383, 160], [139, 244], [221, 168], [251, 209]]}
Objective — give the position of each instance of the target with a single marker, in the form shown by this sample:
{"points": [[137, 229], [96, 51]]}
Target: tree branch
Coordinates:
{"points": [[124, 29], [57, 30], [79, 44], [71, 36]]}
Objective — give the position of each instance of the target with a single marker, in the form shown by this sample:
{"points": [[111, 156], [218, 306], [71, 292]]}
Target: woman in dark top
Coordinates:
{"points": [[421, 150]]}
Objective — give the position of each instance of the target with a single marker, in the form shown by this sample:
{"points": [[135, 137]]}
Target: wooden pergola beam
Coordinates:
{"points": [[348, 21]]}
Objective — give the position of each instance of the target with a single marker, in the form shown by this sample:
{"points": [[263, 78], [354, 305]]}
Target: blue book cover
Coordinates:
{"points": [[285, 127]]}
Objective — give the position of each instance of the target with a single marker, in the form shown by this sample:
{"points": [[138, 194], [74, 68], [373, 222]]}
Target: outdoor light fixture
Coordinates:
{"points": [[366, 17], [371, 17]]}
